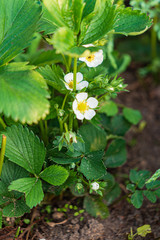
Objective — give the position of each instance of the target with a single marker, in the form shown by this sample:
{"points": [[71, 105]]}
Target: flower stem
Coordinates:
{"points": [[66, 127], [2, 153], [64, 101], [2, 123], [70, 121], [74, 74]]}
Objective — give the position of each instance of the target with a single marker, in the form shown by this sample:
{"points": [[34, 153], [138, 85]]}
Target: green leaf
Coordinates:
{"points": [[78, 6], [92, 166], [131, 187], [119, 125], [144, 230], [157, 192], [100, 24], [54, 77], [154, 177], [94, 138], [151, 196], [23, 93], [89, 7], [140, 177], [16, 209], [55, 175], [110, 195], [153, 185], [32, 187], [24, 148], [18, 22], [133, 116], [96, 207], [116, 154], [129, 22], [137, 198], [110, 108], [109, 180], [63, 39], [65, 160]]}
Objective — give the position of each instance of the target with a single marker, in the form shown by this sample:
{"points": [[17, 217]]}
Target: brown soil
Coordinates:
{"points": [[143, 155]]}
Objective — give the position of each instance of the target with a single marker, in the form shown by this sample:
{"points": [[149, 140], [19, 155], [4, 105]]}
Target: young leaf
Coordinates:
{"points": [[23, 93], [94, 138], [16, 209], [96, 207], [116, 154], [32, 187], [55, 175], [144, 230], [24, 148], [92, 166], [129, 22], [133, 116], [18, 22], [137, 198]]}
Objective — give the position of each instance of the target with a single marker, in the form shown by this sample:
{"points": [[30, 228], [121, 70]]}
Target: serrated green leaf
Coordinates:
{"points": [[77, 7], [96, 207], [94, 138], [23, 93], [100, 24], [92, 166], [24, 148], [116, 154], [144, 230], [133, 116], [65, 160], [32, 187], [110, 195], [89, 7], [55, 175], [18, 22], [16, 209], [150, 195], [157, 192], [110, 108], [131, 22], [153, 185], [137, 198], [54, 77]]}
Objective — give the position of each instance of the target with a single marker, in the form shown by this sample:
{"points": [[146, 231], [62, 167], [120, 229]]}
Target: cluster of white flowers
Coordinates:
{"points": [[82, 105]]}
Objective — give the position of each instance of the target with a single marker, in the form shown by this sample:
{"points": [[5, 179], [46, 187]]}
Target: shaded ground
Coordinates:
{"points": [[145, 154]]}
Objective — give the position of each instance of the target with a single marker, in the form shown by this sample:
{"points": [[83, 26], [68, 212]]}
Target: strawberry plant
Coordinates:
{"points": [[61, 127]]}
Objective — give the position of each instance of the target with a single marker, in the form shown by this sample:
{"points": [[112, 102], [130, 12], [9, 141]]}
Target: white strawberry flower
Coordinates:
{"points": [[83, 107], [80, 84], [95, 186], [94, 59]]}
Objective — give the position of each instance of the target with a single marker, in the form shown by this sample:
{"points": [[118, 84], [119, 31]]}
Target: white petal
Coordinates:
{"points": [[81, 96], [79, 77], [66, 85], [82, 59], [74, 105], [79, 115], [92, 102], [68, 77], [89, 114], [82, 85], [90, 64], [88, 45]]}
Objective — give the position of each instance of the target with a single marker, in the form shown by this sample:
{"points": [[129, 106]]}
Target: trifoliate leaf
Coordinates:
{"points": [[24, 148], [32, 187], [23, 93]]}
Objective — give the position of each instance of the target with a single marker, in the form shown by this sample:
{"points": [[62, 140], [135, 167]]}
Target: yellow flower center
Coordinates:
{"points": [[70, 84], [90, 58], [82, 106]]}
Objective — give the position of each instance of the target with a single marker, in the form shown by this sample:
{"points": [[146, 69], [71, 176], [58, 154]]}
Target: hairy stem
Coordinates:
{"points": [[2, 123], [2, 153], [64, 101], [74, 74]]}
